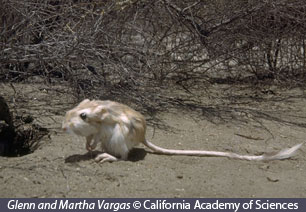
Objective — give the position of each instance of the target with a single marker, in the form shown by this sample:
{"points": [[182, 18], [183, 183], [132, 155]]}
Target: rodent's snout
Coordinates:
{"points": [[65, 128]]}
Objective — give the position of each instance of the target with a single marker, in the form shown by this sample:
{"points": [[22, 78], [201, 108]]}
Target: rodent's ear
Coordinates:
{"points": [[98, 114], [100, 110], [84, 101]]}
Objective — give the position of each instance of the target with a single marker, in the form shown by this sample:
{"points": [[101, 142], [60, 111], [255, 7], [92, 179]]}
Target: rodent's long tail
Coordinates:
{"points": [[283, 154]]}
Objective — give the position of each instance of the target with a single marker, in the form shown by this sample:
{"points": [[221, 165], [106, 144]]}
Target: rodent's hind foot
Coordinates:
{"points": [[105, 157]]}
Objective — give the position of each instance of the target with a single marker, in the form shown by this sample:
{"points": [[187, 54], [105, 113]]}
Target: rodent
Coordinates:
{"points": [[119, 128]]}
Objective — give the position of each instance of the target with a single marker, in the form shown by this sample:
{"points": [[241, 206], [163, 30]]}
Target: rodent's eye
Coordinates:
{"points": [[83, 116]]}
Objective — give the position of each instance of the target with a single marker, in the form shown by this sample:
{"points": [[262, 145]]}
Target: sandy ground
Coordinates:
{"points": [[243, 122]]}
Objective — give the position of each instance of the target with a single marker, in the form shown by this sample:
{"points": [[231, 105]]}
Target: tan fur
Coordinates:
{"points": [[118, 128]]}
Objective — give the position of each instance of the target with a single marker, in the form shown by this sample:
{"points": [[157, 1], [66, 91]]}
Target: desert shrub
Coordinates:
{"points": [[134, 44]]}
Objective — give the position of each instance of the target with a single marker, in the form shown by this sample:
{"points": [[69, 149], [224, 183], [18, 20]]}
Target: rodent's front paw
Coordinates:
{"points": [[90, 147]]}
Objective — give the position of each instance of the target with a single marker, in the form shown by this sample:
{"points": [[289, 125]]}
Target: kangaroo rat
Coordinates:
{"points": [[119, 128]]}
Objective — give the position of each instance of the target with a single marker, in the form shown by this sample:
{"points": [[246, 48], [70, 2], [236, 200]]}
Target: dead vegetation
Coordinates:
{"points": [[151, 43]]}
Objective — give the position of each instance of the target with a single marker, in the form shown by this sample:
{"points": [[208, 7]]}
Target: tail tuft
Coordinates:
{"points": [[283, 154]]}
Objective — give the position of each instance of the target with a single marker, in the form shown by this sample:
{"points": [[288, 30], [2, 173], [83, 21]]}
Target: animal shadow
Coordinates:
{"points": [[78, 157], [135, 155]]}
